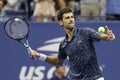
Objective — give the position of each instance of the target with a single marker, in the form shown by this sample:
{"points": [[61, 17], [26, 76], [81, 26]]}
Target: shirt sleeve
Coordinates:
{"points": [[62, 54], [94, 35]]}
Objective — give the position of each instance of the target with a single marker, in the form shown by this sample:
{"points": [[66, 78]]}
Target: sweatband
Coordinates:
{"points": [[42, 57], [112, 38]]}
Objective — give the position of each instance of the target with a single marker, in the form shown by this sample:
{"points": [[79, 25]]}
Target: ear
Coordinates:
{"points": [[60, 22]]}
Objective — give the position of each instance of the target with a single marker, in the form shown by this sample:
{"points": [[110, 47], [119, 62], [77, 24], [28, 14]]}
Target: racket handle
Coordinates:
{"points": [[29, 50]]}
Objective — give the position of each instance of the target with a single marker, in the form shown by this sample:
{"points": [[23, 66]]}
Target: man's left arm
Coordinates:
{"points": [[109, 36]]}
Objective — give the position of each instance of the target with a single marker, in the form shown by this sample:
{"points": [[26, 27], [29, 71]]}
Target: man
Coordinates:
{"points": [[60, 73], [78, 45]]}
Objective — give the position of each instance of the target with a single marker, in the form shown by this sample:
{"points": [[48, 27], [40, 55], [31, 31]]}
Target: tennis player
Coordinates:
{"points": [[78, 45]]}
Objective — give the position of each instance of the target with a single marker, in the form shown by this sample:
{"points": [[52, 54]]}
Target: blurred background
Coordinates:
{"points": [[46, 34]]}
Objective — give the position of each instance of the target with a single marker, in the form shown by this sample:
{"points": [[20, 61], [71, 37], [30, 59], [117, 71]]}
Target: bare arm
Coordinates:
{"points": [[53, 60], [108, 36]]}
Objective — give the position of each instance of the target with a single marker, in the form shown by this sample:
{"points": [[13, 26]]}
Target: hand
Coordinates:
{"points": [[34, 55], [110, 35]]}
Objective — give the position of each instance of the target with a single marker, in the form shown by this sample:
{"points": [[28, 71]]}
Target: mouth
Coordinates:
{"points": [[70, 23]]}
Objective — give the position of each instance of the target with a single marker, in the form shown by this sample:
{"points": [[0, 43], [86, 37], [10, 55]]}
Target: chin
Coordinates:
{"points": [[72, 26]]}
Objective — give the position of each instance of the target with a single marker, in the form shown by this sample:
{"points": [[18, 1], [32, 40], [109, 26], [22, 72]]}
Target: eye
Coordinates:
{"points": [[72, 16], [67, 17]]}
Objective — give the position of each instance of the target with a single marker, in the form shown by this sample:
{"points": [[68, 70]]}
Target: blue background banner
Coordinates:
{"points": [[45, 38]]}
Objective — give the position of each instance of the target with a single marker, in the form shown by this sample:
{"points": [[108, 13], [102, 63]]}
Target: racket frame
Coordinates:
{"points": [[26, 44]]}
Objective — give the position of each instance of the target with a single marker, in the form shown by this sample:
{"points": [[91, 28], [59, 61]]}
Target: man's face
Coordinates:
{"points": [[68, 20]]}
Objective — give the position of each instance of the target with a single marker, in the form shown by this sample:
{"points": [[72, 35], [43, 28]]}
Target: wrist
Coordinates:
{"points": [[111, 38], [42, 57]]}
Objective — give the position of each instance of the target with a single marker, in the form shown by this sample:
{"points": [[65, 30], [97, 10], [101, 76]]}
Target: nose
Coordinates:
{"points": [[71, 19]]}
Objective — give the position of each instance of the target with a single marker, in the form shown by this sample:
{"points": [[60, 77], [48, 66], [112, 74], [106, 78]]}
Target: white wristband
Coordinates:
{"points": [[42, 57], [112, 38]]}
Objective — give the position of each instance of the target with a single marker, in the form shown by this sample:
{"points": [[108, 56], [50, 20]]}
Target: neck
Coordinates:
{"points": [[69, 33]]}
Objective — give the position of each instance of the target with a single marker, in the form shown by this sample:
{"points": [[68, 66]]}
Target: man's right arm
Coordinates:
{"points": [[54, 60]]}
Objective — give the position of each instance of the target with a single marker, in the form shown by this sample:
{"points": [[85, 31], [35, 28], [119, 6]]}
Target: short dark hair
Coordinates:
{"points": [[62, 11]]}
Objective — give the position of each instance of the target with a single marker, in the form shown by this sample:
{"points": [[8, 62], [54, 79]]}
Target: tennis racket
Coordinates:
{"points": [[18, 29]]}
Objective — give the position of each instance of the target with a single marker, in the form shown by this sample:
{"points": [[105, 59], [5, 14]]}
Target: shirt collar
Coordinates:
{"points": [[74, 33]]}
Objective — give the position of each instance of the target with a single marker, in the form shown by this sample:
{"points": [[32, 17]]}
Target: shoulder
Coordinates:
{"points": [[85, 29], [62, 43]]}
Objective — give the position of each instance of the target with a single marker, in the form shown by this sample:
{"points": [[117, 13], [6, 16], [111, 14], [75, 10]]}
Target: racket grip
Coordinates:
{"points": [[29, 50]]}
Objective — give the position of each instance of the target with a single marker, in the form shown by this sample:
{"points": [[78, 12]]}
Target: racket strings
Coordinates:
{"points": [[16, 29]]}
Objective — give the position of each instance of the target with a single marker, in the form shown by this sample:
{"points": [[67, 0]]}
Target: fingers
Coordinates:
{"points": [[34, 55], [110, 34], [31, 56], [108, 30]]}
